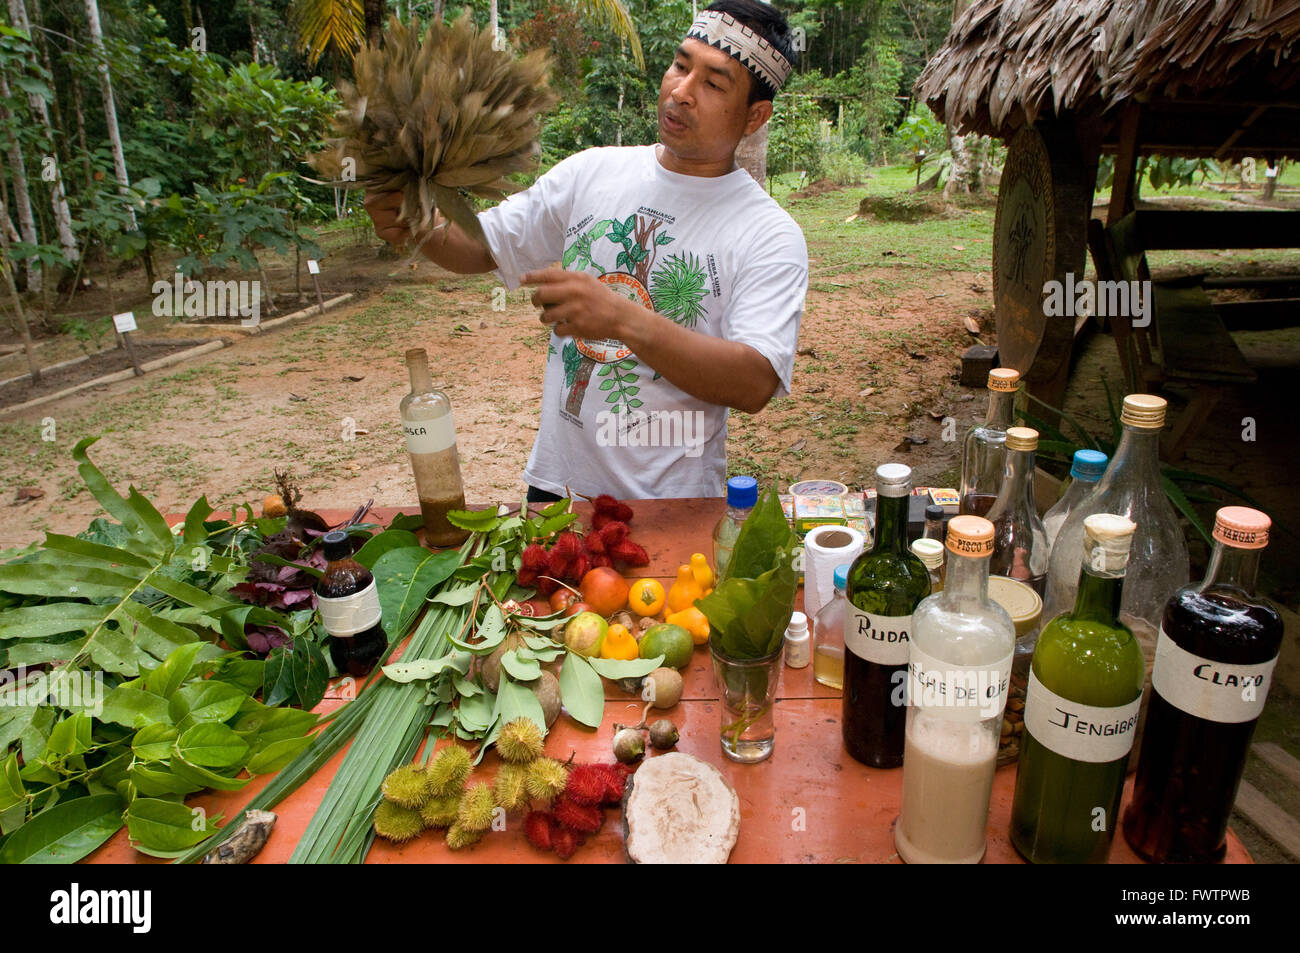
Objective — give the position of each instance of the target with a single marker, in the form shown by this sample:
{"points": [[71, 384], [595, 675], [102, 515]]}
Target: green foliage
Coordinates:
{"points": [[794, 137], [920, 129], [1161, 172]]}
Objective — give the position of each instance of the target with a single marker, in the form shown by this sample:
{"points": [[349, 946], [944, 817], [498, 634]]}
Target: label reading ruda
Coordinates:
{"points": [[429, 436], [348, 615], [1216, 691], [880, 639], [963, 692], [1080, 732]]}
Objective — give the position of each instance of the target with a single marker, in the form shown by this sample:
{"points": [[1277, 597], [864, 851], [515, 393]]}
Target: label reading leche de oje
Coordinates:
{"points": [[963, 692], [1080, 732], [880, 639], [429, 436], [1216, 691], [348, 615]]}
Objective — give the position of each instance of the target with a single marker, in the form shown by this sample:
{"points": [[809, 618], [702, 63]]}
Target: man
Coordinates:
{"points": [[682, 284]]}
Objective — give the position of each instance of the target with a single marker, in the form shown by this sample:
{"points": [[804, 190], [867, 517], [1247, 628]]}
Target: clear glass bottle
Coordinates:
{"points": [[1158, 564], [1085, 470], [959, 672], [828, 633], [1214, 665], [742, 494], [348, 601], [934, 523], [1020, 548], [431, 442], [885, 583], [930, 551], [1081, 711], [983, 452]]}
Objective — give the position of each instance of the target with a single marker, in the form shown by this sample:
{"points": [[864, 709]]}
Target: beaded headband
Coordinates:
{"points": [[721, 30]]}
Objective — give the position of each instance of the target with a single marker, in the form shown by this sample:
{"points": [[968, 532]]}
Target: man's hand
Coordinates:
{"points": [[446, 245], [576, 304], [382, 207]]}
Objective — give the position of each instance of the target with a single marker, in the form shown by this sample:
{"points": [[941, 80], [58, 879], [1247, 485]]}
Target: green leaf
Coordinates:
{"points": [[165, 825], [476, 521], [625, 668], [522, 670], [196, 533], [382, 543], [203, 777], [581, 690], [269, 725], [69, 737], [12, 791], [212, 746], [405, 578], [607, 384], [168, 677], [517, 701], [310, 672], [154, 742], [134, 708], [65, 833], [276, 755], [206, 701], [277, 676], [455, 597], [157, 780], [417, 669], [476, 712]]}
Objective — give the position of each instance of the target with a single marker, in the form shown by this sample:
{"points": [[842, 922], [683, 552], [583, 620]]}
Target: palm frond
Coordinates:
{"points": [[325, 23], [613, 14]]}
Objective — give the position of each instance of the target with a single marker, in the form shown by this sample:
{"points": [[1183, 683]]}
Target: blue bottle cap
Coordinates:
{"points": [[742, 492], [841, 576], [1089, 465]]}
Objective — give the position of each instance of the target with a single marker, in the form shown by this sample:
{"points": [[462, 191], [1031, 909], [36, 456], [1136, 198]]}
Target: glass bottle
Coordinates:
{"points": [[1158, 564], [983, 453], [960, 668], [1081, 710], [1085, 470], [1214, 664], [930, 552], [934, 515], [431, 442], [1020, 549], [348, 600], [828, 633], [885, 583], [742, 494]]}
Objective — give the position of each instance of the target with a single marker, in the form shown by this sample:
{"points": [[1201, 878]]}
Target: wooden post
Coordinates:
{"points": [[313, 269], [125, 324]]}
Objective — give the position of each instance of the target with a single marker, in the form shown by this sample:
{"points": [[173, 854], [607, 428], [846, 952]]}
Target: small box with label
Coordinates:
{"points": [[948, 499], [818, 510]]}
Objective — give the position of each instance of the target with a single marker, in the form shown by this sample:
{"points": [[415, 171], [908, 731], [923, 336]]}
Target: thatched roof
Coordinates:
{"points": [[1006, 62]]}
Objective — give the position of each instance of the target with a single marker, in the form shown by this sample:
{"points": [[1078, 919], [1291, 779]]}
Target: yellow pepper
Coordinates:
{"points": [[684, 591], [702, 573], [619, 644], [646, 597], [693, 621]]}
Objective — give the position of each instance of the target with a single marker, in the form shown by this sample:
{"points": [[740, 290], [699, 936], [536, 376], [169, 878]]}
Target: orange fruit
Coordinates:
{"points": [[646, 597], [604, 590]]}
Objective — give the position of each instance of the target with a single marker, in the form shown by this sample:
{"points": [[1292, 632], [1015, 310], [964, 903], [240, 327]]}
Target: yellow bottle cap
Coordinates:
{"points": [[1022, 438], [1006, 380], [1146, 411], [970, 536]]}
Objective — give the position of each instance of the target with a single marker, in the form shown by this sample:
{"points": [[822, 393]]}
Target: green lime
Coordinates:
{"points": [[671, 641]]}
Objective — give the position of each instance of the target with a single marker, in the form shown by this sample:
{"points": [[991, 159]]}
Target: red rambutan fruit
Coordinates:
{"points": [[538, 828], [630, 553], [583, 818], [565, 842], [587, 784], [613, 533]]}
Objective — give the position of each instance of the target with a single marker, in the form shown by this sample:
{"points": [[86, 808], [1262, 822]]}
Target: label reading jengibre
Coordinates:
{"points": [[429, 436], [348, 615], [1216, 691], [879, 639], [1080, 732]]}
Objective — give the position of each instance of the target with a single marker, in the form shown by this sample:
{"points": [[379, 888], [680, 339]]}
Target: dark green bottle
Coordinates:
{"points": [[884, 586], [1081, 709]]}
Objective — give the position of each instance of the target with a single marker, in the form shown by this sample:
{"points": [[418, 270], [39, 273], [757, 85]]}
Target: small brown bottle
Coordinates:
{"points": [[348, 600], [431, 441]]}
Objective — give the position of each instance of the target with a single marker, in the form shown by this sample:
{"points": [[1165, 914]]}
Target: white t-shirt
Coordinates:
{"points": [[715, 254]]}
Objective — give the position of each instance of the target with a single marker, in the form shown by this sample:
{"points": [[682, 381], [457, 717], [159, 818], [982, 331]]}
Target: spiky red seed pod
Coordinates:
{"points": [[599, 520], [538, 828], [594, 542], [613, 533], [583, 818], [535, 558], [615, 782], [579, 568], [546, 585], [565, 842], [559, 564], [630, 553], [587, 784], [601, 560], [568, 545]]}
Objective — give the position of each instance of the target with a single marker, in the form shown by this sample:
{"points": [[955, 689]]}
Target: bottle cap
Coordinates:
{"points": [[1088, 465], [798, 627], [1145, 411], [742, 492], [893, 479], [970, 536], [1107, 538], [1241, 527], [840, 578], [1004, 380], [929, 551], [417, 355], [1022, 438], [335, 544], [934, 511]]}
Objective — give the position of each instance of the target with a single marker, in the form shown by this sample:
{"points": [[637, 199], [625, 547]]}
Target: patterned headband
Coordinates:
{"points": [[742, 43]]}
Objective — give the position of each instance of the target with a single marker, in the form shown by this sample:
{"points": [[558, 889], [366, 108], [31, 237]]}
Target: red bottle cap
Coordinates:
{"points": [[1241, 527]]}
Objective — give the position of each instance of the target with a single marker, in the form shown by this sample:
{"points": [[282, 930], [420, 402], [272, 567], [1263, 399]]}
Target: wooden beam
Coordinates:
{"points": [[1276, 824], [1246, 123], [1122, 188], [1278, 759]]}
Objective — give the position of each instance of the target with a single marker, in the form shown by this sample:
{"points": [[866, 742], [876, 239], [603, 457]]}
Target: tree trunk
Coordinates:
{"points": [[22, 198], [493, 19], [751, 154], [437, 9], [374, 15], [20, 318], [81, 132], [58, 200], [110, 108]]}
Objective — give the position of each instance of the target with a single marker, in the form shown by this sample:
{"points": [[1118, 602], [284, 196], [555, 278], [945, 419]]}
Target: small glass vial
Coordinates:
{"points": [[798, 645], [934, 523]]}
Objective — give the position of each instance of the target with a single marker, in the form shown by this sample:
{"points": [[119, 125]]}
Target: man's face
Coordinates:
{"points": [[704, 105]]}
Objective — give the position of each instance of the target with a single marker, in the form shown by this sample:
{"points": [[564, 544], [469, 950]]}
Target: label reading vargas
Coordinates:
{"points": [[429, 436], [1077, 731], [968, 692], [1216, 691], [348, 615], [880, 639]]}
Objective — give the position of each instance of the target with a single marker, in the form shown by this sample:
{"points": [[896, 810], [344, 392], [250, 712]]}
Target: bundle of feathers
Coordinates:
{"points": [[436, 115]]}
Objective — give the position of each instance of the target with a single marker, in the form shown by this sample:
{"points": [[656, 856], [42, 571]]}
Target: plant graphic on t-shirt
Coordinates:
{"points": [[678, 289]]}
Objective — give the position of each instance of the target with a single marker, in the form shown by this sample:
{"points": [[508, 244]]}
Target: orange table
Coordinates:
{"points": [[809, 802]]}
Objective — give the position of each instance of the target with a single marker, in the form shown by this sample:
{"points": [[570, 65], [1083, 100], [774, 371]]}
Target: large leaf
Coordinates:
{"points": [[165, 825], [212, 746], [64, 833], [383, 542], [405, 578], [581, 690], [517, 701]]}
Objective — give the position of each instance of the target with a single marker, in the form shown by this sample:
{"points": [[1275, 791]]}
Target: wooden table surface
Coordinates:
{"points": [[810, 802]]}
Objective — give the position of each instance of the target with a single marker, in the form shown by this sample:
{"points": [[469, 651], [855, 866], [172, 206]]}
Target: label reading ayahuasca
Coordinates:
{"points": [[429, 436], [880, 639], [348, 615], [965, 692], [1077, 731], [1216, 691]]}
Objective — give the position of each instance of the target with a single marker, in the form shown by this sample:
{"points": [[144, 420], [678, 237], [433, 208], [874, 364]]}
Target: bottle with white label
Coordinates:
{"points": [[1081, 711], [431, 441], [1214, 664], [348, 601], [885, 583], [958, 677]]}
